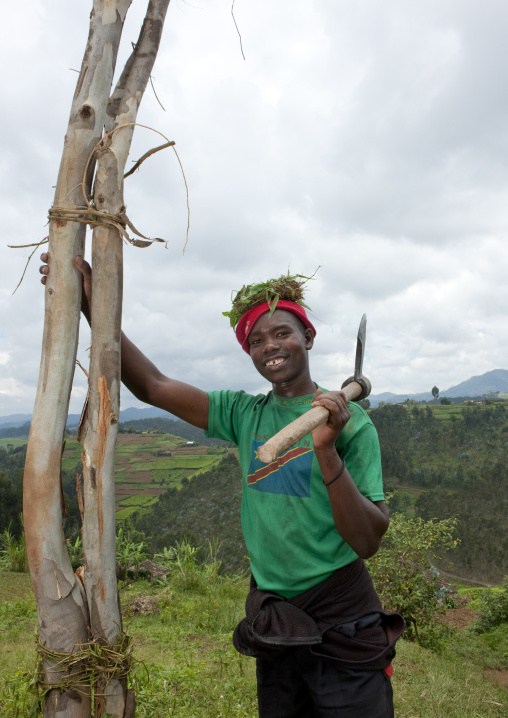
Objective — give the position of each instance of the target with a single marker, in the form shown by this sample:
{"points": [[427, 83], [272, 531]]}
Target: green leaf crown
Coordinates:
{"points": [[288, 286]]}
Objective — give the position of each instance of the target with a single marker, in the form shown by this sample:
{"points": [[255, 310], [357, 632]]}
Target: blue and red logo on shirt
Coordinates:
{"points": [[289, 474]]}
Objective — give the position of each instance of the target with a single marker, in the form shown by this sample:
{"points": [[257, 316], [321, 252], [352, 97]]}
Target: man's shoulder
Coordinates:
{"points": [[231, 412], [238, 397], [358, 414], [359, 427]]}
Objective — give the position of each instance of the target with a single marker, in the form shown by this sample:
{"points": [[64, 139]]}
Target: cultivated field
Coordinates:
{"points": [[146, 465]]}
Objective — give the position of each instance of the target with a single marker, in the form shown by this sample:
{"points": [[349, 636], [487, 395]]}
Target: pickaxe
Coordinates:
{"points": [[356, 387]]}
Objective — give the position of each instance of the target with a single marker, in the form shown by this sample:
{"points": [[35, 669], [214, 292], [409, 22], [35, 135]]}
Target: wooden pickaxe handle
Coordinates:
{"points": [[302, 426]]}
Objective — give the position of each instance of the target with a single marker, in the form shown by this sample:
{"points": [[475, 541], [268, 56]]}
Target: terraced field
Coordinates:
{"points": [[146, 465]]}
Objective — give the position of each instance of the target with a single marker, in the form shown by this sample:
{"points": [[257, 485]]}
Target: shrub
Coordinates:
{"points": [[404, 574], [129, 554], [187, 570], [493, 608], [75, 551]]}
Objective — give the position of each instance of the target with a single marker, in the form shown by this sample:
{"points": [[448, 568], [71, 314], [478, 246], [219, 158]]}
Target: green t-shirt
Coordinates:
{"points": [[286, 514]]}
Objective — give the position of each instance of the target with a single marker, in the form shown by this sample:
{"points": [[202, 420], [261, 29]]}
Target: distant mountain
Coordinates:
{"points": [[488, 383], [14, 420], [492, 382], [131, 414]]}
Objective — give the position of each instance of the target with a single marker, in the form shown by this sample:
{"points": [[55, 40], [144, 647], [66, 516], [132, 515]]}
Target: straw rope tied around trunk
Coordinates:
{"points": [[89, 214], [286, 287], [94, 217], [89, 663]]}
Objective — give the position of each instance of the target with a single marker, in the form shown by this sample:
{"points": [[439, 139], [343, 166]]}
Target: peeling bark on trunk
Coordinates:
{"points": [[61, 607], [72, 610], [104, 402]]}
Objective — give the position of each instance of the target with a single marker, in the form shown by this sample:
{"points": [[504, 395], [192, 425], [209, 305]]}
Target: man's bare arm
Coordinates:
{"points": [[149, 385], [361, 522], [139, 374]]}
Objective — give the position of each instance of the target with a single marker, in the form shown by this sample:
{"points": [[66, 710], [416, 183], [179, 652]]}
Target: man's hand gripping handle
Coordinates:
{"points": [[356, 387], [302, 426]]}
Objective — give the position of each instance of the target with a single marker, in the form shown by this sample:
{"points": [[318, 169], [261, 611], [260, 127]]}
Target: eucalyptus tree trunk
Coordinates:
{"points": [[67, 616], [61, 608], [104, 400]]}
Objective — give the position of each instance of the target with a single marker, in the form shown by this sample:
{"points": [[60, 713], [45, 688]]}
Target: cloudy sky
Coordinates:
{"points": [[368, 138]]}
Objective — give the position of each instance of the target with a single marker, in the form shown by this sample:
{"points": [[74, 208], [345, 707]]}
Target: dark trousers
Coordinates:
{"points": [[300, 685]]}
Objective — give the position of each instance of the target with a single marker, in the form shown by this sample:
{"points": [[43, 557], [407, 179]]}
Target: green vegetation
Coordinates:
{"points": [[205, 508], [13, 550], [481, 507], [289, 287], [186, 665], [173, 427], [142, 464], [440, 462], [13, 442], [130, 552], [136, 448], [140, 500], [493, 608], [136, 464], [15, 431], [404, 574], [183, 461], [126, 513], [169, 477], [453, 460], [72, 455], [12, 461]]}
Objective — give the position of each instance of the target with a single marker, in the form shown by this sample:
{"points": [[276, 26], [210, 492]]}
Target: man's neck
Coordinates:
{"points": [[303, 386]]}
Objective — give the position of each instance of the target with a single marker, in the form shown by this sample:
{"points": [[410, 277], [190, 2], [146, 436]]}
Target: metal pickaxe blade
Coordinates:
{"points": [[358, 378], [356, 387]]}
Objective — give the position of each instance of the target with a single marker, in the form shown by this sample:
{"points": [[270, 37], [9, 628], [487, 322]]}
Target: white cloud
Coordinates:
{"points": [[364, 137]]}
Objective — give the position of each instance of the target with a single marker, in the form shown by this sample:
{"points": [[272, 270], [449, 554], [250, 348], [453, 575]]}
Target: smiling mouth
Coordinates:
{"points": [[274, 362]]}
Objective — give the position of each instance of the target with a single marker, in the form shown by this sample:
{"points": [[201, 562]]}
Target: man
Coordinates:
{"points": [[314, 622]]}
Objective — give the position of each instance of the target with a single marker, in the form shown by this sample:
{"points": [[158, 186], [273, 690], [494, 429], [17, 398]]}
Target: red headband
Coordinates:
{"points": [[250, 317]]}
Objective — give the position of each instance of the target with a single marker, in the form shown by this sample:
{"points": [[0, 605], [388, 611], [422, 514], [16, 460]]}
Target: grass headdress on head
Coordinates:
{"points": [[284, 292]]}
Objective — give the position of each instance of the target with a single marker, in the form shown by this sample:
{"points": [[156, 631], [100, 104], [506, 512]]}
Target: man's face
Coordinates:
{"points": [[279, 346]]}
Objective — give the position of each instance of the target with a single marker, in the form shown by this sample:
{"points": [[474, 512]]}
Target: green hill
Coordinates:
{"points": [[451, 461], [147, 463], [440, 461], [205, 509]]}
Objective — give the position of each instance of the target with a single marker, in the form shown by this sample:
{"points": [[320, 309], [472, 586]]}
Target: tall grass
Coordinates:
{"points": [[13, 551]]}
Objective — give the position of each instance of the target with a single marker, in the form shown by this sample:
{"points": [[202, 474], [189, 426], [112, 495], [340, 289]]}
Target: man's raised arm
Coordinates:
{"points": [[149, 385], [142, 377]]}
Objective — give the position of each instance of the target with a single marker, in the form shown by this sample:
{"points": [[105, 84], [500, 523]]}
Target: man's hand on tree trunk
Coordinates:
{"points": [[86, 272]]}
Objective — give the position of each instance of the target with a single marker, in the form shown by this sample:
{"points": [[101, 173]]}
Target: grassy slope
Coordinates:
{"points": [[14, 441], [194, 671]]}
